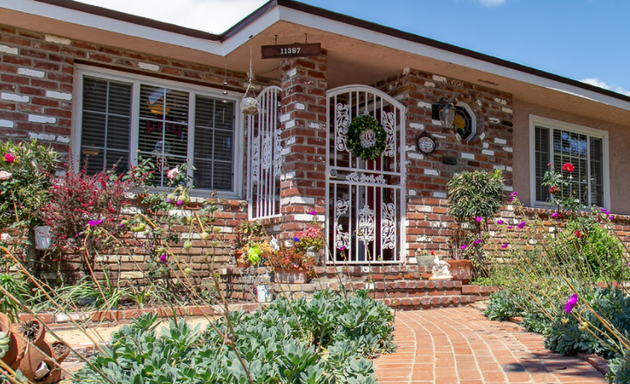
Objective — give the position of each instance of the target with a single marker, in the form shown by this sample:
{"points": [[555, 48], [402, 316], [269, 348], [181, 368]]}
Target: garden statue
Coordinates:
{"points": [[441, 270]]}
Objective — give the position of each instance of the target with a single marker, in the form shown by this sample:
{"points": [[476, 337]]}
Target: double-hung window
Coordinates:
{"points": [[170, 123], [555, 143]]}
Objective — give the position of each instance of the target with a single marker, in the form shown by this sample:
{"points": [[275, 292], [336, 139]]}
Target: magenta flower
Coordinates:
{"points": [[9, 158], [94, 223], [478, 219], [513, 194], [464, 246], [478, 241], [163, 258], [342, 248], [605, 211], [611, 217], [313, 212], [509, 227], [500, 221], [522, 224], [568, 307], [179, 203], [505, 245], [554, 215], [628, 263]]}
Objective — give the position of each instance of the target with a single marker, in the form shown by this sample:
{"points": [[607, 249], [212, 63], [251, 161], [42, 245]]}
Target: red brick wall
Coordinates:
{"points": [[429, 227]]}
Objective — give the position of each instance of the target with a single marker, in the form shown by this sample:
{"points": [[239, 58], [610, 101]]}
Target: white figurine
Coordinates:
{"points": [[441, 270]]}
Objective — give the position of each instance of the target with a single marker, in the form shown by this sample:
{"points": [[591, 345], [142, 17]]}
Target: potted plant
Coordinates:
{"points": [[290, 264], [248, 233], [310, 242]]}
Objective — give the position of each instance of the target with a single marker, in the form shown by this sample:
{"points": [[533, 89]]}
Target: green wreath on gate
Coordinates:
{"points": [[359, 125]]}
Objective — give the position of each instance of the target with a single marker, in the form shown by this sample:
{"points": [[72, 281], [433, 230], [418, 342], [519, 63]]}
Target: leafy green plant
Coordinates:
{"points": [[324, 341], [501, 307], [475, 194]]}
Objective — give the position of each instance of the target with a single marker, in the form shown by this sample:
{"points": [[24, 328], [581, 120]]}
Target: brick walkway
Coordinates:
{"points": [[458, 345]]}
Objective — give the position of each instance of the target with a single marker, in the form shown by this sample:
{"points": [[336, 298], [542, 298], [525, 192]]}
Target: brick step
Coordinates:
{"points": [[428, 302]]}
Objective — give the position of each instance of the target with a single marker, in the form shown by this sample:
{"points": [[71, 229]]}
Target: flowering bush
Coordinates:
{"points": [[310, 240], [284, 257], [26, 171]]}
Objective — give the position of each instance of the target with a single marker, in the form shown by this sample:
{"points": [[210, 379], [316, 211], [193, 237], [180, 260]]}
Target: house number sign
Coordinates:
{"points": [[291, 50]]}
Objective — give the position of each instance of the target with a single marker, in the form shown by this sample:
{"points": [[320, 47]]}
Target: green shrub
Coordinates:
{"points": [[475, 194], [324, 341], [501, 307]]}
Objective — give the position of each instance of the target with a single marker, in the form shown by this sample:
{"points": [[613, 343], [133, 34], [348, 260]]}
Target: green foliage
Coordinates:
{"points": [[26, 189], [501, 307], [16, 285], [325, 342], [475, 194], [619, 369]]}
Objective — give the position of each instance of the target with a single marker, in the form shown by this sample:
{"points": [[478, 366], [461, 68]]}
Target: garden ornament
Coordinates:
{"points": [[441, 270]]}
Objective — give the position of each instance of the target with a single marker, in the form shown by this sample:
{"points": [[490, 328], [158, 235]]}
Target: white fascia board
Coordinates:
{"points": [[252, 29], [383, 39], [113, 25]]}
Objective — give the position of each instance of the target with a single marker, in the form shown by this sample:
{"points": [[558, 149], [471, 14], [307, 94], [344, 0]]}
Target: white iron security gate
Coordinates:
{"points": [[264, 158], [365, 198]]}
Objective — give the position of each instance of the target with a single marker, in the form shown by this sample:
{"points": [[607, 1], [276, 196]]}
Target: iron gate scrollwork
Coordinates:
{"points": [[366, 198]]}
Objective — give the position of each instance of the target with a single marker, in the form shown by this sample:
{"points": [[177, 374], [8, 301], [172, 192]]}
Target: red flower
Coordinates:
{"points": [[578, 234], [554, 189], [9, 158], [568, 167]]}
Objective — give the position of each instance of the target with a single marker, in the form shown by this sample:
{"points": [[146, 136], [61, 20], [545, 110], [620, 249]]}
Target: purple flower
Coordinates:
{"points": [[509, 227], [611, 217], [605, 211], [554, 215], [169, 201], [464, 246], [94, 223], [313, 212], [342, 248], [628, 263], [522, 224], [478, 219], [513, 194], [163, 258], [568, 307], [296, 239], [477, 241], [505, 245], [500, 221], [121, 225], [179, 203], [536, 286]]}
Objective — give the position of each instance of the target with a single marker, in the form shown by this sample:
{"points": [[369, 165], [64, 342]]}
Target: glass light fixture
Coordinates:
{"points": [[447, 113]]}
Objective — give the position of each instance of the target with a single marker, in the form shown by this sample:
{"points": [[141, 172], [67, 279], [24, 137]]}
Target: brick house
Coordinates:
{"points": [[100, 83]]}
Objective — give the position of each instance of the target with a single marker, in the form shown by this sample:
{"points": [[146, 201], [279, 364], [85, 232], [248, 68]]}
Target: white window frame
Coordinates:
{"points": [[545, 122], [136, 80]]}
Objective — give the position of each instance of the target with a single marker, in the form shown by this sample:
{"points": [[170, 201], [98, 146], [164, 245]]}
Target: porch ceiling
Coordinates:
{"points": [[351, 60]]}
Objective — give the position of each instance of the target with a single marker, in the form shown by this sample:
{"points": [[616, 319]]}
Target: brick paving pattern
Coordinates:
{"points": [[459, 345]]}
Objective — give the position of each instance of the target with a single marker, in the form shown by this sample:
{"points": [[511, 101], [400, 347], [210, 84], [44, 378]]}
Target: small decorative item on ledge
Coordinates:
{"points": [[291, 276]]}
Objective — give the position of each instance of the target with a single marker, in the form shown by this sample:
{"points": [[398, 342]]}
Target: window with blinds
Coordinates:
{"points": [[171, 126], [555, 147]]}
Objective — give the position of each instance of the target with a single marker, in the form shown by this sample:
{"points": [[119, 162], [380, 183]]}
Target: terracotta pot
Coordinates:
{"points": [[461, 270], [238, 254], [291, 276], [29, 359], [5, 326]]}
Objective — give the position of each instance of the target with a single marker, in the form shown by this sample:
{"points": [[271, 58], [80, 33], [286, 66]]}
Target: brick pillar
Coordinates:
{"points": [[303, 182]]}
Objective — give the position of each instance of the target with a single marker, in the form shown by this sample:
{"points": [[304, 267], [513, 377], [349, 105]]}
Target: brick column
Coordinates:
{"points": [[303, 183]]}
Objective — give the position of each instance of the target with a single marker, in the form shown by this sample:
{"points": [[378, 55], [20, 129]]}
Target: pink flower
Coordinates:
{"points": [[568, 307], [578, 234], [464, 246], [9, 158], [94, 223], [179, 203], [342, 248], [163, 258], [554, 215], [478, 241], [611, 217], [505, 245], [569, 168], [513, 194], [172, 173], [500, 221], [478, 219], [522, 224], [509, 227], [4, 175], [313, 212]]}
